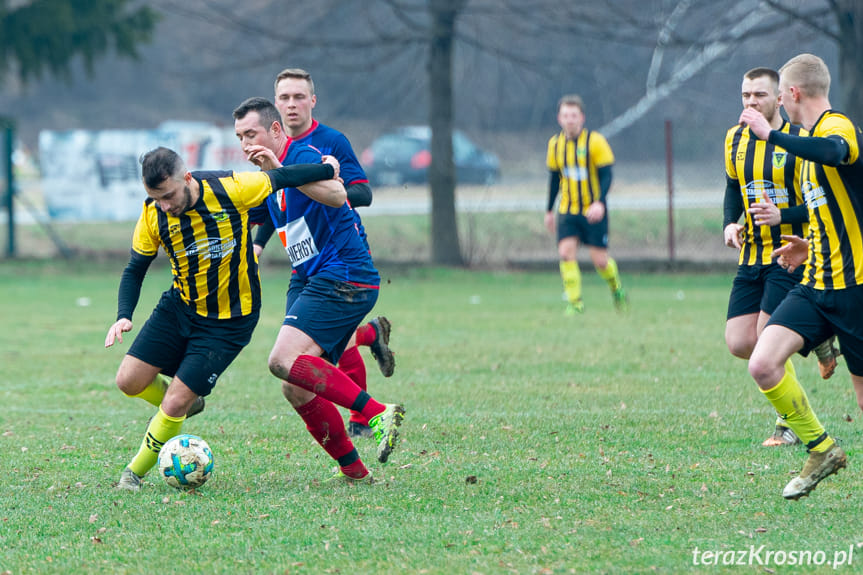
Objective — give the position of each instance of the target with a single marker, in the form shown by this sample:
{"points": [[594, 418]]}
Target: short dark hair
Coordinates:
{"points": [[161, 164], [265, 109], [761, 72]]}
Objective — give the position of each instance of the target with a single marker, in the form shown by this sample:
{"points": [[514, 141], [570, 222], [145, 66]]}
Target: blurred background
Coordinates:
{"points": [[82, 83]]}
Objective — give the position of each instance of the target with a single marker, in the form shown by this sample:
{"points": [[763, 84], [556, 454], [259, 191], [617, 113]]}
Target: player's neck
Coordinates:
{"points": [[812, 110], [299, 131]]}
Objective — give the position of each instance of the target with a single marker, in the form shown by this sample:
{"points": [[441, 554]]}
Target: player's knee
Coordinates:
{"points": [[763, 371], [280, 366], [740, 347]]}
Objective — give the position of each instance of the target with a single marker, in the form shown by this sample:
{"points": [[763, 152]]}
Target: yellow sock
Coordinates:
{"points": [[610, 275], [792, 405], [155, 392], [571, 280], [162, 428]]}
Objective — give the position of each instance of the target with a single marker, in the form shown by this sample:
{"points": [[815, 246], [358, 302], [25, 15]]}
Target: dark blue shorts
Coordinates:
{"points": [[328, 311], [760, 288], [818, 314], [194, 348], [596, 235]]}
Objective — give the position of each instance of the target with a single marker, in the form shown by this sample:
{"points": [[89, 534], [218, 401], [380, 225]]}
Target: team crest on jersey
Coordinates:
{"points": [[223, 216], [779, 159], [173, 229], [581, 152]]}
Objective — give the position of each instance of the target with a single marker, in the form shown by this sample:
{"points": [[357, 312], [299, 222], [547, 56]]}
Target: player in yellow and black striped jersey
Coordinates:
{"points": [[762, 183], [208, 315], [830, 298], [579, 163]]}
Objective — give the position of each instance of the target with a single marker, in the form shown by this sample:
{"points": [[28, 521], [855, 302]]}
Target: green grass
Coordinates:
{"points": [[598, 444]]}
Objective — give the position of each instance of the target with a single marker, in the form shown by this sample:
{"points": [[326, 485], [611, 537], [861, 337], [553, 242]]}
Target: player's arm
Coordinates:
{"points": [[795, 214], [597, 209], [328, 192], [359, 195], [830, 151], [129, 293], [732, 209], [300, 174], [604, 175], [553, 190], [265, 231]]}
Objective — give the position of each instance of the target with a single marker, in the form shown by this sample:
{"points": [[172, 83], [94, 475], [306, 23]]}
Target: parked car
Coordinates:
{"points": [[404, 155]]}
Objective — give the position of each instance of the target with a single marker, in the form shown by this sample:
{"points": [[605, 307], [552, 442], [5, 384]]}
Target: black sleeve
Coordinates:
{"points": [[553, 188], [265, 232], [795, 215], [299, 174], [359, 195], [829, 151], [604, 174], [733, 204], [130, 284]]}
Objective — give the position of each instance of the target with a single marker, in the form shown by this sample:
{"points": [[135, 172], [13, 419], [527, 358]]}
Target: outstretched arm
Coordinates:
{"points": [[127, 299]]}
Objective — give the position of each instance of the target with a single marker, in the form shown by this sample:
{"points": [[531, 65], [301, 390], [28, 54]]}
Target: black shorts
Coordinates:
{"points": [[760, 288], [817, 314], [596, 235], [194, 348], [328, 311]]}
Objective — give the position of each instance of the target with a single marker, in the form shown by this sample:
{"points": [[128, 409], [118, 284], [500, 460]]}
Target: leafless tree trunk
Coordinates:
{"points": [[445, 245]]}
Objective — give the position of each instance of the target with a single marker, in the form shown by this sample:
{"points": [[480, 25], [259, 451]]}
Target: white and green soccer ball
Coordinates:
{"points": [[185, 462]]}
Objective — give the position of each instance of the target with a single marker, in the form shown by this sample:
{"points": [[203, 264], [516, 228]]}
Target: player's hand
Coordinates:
{"points": [[793, 252], [765, 213], [262, 156], [331, 160], [733, 235], [757, 123], [259, 249], [595, 212], [549, 221], [115, 332]]}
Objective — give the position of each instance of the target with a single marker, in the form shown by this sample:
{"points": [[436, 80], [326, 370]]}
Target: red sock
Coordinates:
{"points": [[325, 424], [322, 378], [351, 363], [366, 334]]}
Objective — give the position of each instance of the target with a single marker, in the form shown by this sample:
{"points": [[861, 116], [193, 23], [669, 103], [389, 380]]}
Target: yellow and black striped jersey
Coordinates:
{"points": [[835, 200], [759, 167], [210, 248], [577, 162]]}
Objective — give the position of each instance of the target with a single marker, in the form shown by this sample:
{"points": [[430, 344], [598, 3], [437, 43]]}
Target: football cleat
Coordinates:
{"points": [[574, 308], [357, 429], [781, 436], [348, 480], [826, 353], [621, 302], [385, 426], [817, 467], [380, 346], [129, 481]]}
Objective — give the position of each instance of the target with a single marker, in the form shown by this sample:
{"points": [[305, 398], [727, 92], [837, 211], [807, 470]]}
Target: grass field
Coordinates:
{"points": [[533, 443]]}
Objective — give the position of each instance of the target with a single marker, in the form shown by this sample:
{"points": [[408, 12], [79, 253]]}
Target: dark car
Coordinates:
{"points": [[404, 156]]}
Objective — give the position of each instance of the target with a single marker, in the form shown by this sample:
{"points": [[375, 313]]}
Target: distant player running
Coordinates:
{"points": [[579, 163]]}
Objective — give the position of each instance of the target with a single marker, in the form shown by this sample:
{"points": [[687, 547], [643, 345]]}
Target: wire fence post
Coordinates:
{"points": [[8, 128], [669, 161]]}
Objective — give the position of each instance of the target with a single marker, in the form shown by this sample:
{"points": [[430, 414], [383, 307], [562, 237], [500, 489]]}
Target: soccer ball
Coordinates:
{"points": [[185, 462]]}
